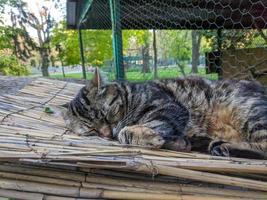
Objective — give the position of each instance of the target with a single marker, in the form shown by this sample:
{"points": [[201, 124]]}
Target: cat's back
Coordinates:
{"points": [[236, 90], [192, 91]]}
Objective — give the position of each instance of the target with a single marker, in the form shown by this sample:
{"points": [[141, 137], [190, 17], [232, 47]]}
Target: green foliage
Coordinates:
{"points": [[7, 33], [17, 40], [137, 37], [5, 37], [67, 41], [48, 110], [259, 39], [234, 39], [9, 65], [97, 46], [178, 44]]}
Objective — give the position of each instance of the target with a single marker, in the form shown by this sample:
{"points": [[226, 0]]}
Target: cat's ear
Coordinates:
{"points": [[96, 81]]}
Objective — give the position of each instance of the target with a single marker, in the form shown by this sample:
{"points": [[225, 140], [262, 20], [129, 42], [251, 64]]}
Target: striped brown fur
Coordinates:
{"points": [[176, 114]]}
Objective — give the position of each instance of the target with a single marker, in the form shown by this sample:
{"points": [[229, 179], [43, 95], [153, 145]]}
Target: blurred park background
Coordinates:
{"points": [[34, 41]]}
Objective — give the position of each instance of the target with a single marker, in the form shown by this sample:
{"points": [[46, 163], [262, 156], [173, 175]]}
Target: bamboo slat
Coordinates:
{"points": [[41, 159]]}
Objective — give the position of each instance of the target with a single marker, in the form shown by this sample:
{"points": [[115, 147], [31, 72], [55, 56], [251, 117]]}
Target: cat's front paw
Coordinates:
{"points": [[240, 150], [219, 148], [140, 135]]}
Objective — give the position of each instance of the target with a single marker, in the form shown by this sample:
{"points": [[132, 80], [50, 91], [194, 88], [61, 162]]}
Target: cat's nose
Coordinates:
{"points": [[105, 131]]}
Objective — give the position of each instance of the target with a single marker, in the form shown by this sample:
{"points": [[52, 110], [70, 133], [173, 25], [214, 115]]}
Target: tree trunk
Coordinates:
{"points": [[145, 55], [155, 55], [44, 61], [196, 39], [62, 66], [181, 67]]}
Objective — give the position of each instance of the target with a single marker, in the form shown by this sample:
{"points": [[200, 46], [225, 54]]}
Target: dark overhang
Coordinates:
{"points": [[169, 14]]}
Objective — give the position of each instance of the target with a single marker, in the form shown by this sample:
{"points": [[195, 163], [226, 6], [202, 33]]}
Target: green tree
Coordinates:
{"points": [[196, 41], [142, 40], [178, 46], [15, 36], [97, 45], [15, 43], [155, 51], [42, 22], [67, 41], [10, 65], [235, 39], [134, 37]]}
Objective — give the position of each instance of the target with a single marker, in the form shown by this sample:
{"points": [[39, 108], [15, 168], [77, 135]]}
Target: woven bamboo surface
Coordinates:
{"points": [[41, 159]]}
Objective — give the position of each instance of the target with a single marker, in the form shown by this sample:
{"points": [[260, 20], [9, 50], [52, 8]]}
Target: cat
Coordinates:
{"points": [[225, 117]]}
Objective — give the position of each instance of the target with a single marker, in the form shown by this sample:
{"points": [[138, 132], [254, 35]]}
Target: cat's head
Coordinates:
{"points": [[96, 109]]}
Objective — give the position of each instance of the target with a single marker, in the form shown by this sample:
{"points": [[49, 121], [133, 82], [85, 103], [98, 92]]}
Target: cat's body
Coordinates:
{"points": [[176, 113]]}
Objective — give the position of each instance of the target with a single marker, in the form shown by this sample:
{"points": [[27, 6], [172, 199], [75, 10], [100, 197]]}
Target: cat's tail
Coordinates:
{"points": [[255, 127], [256, 123], [239, 119]]}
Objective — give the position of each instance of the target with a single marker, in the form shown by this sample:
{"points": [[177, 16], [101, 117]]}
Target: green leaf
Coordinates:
{"points": [[48, 110]]}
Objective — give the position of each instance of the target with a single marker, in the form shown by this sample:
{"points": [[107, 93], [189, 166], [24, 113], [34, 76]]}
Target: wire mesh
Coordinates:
{"points": [[170, 38]]}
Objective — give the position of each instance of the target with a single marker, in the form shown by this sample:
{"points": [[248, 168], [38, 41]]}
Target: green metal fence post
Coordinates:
{"points": [[82, 52], [117, 38]]}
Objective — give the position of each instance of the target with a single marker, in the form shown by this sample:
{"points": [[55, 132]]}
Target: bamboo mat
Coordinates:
{"points": [[41, 159]]}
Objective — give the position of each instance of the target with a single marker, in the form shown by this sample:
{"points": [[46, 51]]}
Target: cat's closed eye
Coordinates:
{"points": [[114, 110], [102, 92]]}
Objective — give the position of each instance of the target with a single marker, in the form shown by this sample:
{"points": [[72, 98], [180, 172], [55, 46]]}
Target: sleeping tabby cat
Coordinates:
{"points": [[227, 118]]}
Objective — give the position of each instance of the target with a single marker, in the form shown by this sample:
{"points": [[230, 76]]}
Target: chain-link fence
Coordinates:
{"points": [[170, 38]]}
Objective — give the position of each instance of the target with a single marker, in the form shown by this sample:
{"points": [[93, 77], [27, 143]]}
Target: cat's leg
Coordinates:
{"points": [[253, 150], [140, 135], [200, 143], [178, 144], [157, 126], [144, 136]]}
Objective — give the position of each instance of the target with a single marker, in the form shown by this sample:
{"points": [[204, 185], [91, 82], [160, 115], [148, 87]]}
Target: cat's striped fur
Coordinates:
{"points": [[175, 114]]}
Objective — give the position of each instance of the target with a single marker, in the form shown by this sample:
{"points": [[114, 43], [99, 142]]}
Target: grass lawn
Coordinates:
{"points": [[137, 76], [72, 75], [166, 73]]}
